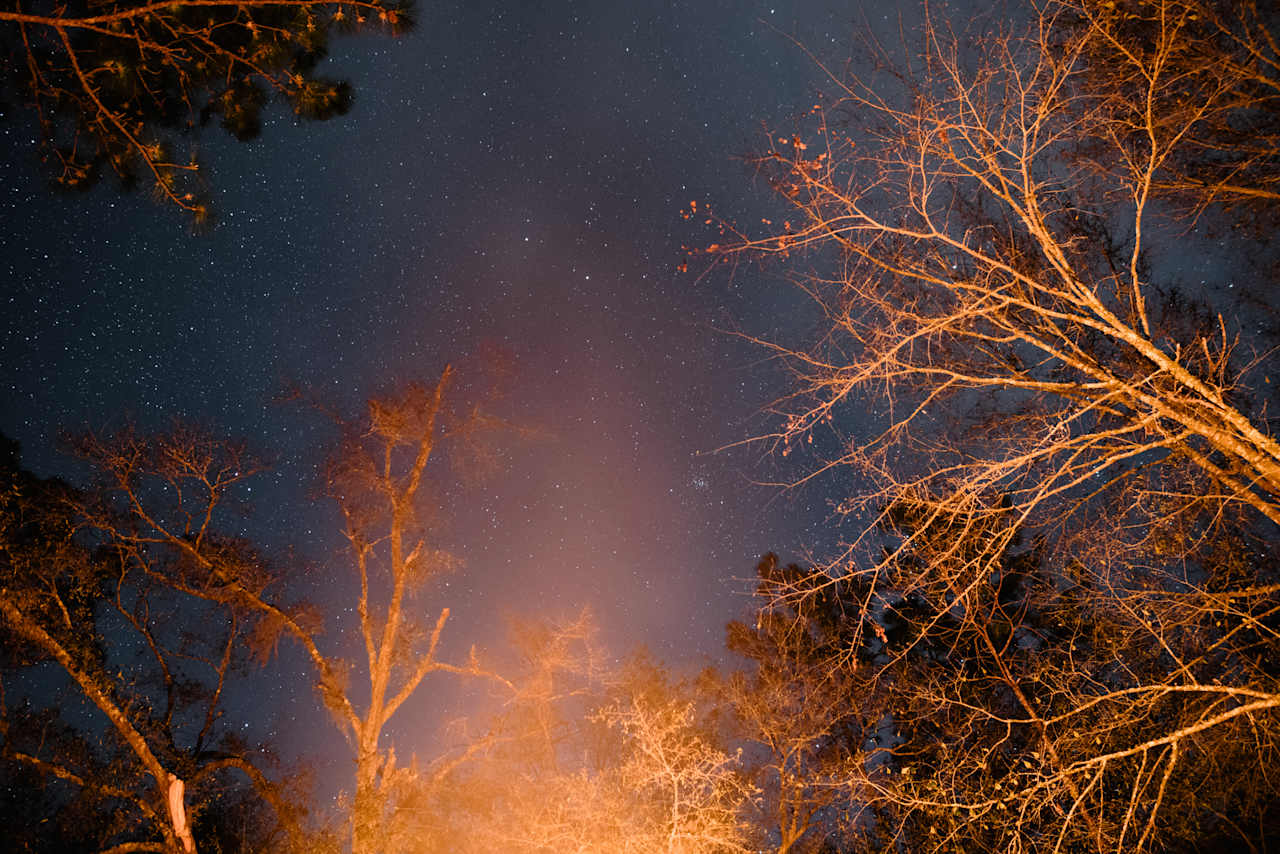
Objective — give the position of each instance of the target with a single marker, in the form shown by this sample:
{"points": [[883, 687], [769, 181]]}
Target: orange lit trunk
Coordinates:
{"points": [[365, 811]]}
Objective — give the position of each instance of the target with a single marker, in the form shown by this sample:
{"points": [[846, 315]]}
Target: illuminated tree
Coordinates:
{"points": [[690, 793], [175, 488], [593, 762], [1219, 66], [98, 611], [1071, 482], [377, 477], [118, 84]]}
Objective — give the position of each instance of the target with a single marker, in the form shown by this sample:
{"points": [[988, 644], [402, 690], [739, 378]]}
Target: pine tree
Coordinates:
{"points": [[122, 85]]}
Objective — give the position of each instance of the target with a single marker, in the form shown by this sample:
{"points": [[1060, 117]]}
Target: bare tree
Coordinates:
{"points": [[174, 489], [98, 609], [1216, 66], [591, 761], [987, 232]]}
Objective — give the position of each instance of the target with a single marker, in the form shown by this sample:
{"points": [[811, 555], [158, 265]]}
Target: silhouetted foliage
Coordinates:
{"points": [[116, 665], [121, 85]]}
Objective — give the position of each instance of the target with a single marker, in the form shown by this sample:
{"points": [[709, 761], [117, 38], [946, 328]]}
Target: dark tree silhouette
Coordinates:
{"points": [[111, 703], [802, 722], [120, 85]]}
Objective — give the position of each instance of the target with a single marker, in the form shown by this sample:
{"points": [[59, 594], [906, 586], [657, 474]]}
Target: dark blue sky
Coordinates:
{"points": [[511, 173]]}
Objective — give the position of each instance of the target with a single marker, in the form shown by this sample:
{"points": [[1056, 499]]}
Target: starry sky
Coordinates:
{"points": [[511, 175]]}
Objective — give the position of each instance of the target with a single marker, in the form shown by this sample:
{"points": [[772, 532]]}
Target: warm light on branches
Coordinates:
{"points": [[172, 490], [988, 232], [601, 762]]}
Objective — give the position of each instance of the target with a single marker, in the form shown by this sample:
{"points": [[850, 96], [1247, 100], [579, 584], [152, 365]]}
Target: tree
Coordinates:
{"points": [[592, 761], [691, 797], [119, 84], [174, 488], [96, 610], [1220, 70], [376, 477], [1072, 483], [807, 722]]}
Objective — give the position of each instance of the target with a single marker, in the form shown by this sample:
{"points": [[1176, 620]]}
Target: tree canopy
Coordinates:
{"points": [[1070, 492], [1054, 620], [121, 86]]}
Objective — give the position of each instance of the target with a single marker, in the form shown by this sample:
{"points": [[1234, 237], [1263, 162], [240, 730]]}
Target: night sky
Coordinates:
{"points": [[511, 174]]}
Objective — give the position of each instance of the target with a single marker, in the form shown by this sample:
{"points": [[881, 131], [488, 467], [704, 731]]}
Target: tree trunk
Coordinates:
{"points": [[365, 811]]}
